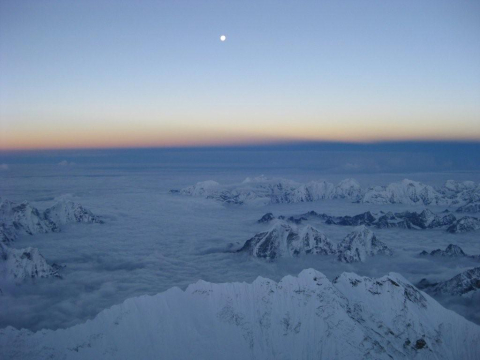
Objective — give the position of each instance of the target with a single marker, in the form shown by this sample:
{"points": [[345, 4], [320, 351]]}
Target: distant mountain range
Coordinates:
{"points": [[263, 190], [384, 220], [309, 316]]}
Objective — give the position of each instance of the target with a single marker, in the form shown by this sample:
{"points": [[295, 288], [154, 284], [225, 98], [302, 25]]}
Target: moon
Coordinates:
{"points": [[223, 38]]}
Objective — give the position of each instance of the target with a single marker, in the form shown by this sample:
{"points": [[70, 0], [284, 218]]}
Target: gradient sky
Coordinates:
{"points": [[154, 73]]}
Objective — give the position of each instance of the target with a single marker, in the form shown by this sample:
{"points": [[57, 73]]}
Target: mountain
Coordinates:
{"points": [[304, 317], [17, 265], [450, 251], [64, 212], [282, 240], [404, 220], [405, 192], [464, 283], [459, 186], [470, 207], [465, 224], [263, 190], [366, 218], [360, 244], [26, 219]]}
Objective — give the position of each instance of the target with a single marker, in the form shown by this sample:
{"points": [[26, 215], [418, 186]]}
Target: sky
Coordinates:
{"points": [[100, 74]]}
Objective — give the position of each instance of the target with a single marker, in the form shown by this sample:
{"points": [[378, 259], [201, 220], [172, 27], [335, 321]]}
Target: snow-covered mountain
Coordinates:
{"points": [[16, 265], [26, 219], [361, 244], [65, 211], [465, 224], [405, 192], [282, 240], [304, 317], [263, 190], [462, 284]]}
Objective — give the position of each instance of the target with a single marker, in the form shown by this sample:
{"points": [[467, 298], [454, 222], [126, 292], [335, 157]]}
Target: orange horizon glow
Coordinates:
{"points": [[152, 130], [203, 138]]}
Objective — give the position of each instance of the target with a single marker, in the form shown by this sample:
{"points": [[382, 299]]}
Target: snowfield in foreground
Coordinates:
{"points": [[304, 317]]}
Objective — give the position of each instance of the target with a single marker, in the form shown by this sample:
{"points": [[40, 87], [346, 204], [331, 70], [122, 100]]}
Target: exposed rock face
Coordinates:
{"points": [[19, 264], [282, 240], [361, 244], [302, 317], [464, 283], [465, 224]]}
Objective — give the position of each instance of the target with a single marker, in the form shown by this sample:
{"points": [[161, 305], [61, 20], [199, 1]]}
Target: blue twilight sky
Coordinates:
{"points": [[155, 73]]}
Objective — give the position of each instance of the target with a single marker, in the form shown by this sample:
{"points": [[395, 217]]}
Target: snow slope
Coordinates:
{"points": [[304, 317]]}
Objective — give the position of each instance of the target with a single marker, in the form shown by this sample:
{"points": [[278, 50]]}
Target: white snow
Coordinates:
{"points": [[304, 317]]}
